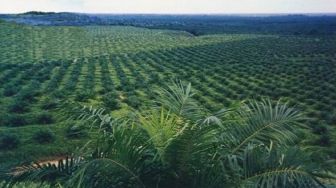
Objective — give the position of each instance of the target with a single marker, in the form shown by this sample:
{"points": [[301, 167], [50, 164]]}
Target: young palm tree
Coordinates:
{"points": [[177, 143]]}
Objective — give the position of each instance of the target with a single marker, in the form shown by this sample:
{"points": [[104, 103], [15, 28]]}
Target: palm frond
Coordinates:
{"points": [[180, 144], [125, 143], [262, 122], [275, 167], [120, 157], [49, 172], [226, 114], [96, 117], [161, 127], [178, 99], [191, 151], [111, 172]]}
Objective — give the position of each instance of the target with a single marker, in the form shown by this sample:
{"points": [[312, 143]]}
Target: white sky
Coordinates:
{"points": [[171, 6]]}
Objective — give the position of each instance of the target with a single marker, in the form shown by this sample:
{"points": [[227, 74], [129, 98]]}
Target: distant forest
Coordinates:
{"points": [[194, 24]]}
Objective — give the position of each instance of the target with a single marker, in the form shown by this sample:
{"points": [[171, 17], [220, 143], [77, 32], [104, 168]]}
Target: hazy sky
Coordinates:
{"points": [[171, 6]]}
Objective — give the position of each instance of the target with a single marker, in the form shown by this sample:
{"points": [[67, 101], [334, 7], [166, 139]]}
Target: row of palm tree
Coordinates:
{"points": [[177, 143]]}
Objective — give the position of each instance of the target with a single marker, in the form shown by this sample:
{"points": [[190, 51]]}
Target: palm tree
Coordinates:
{"points": [[177, 143]]}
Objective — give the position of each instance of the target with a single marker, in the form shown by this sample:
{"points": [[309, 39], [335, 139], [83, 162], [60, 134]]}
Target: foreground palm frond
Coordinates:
{"points": [[178, 99], [180, 144], [278, 167], [262, 122], [110, 172], [46, 172]]}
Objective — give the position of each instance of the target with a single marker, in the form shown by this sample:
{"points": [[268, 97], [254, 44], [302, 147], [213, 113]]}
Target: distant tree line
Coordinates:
{"points": [[194, 24]]}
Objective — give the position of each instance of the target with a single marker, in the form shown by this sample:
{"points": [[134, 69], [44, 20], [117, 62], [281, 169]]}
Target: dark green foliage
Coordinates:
{"points": [[44, 136], [324, 140], [10, 90], [14, 120], [133, 101], [18, 106], [111, 102], [44, 118], [319, 128], [83, 96], [49, 103], [8, 142], [75, 132], [58, 94], [29, 93], [37, 13]]}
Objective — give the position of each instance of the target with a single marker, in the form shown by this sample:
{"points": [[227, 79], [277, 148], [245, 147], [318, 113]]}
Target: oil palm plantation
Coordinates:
{"points": [[177, 143]]}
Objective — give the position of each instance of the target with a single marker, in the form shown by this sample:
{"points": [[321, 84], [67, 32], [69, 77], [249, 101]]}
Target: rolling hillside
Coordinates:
{"points": [[117, 67]]}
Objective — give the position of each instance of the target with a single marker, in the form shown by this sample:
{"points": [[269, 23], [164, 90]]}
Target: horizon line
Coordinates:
{"points": [[186, 13]]}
